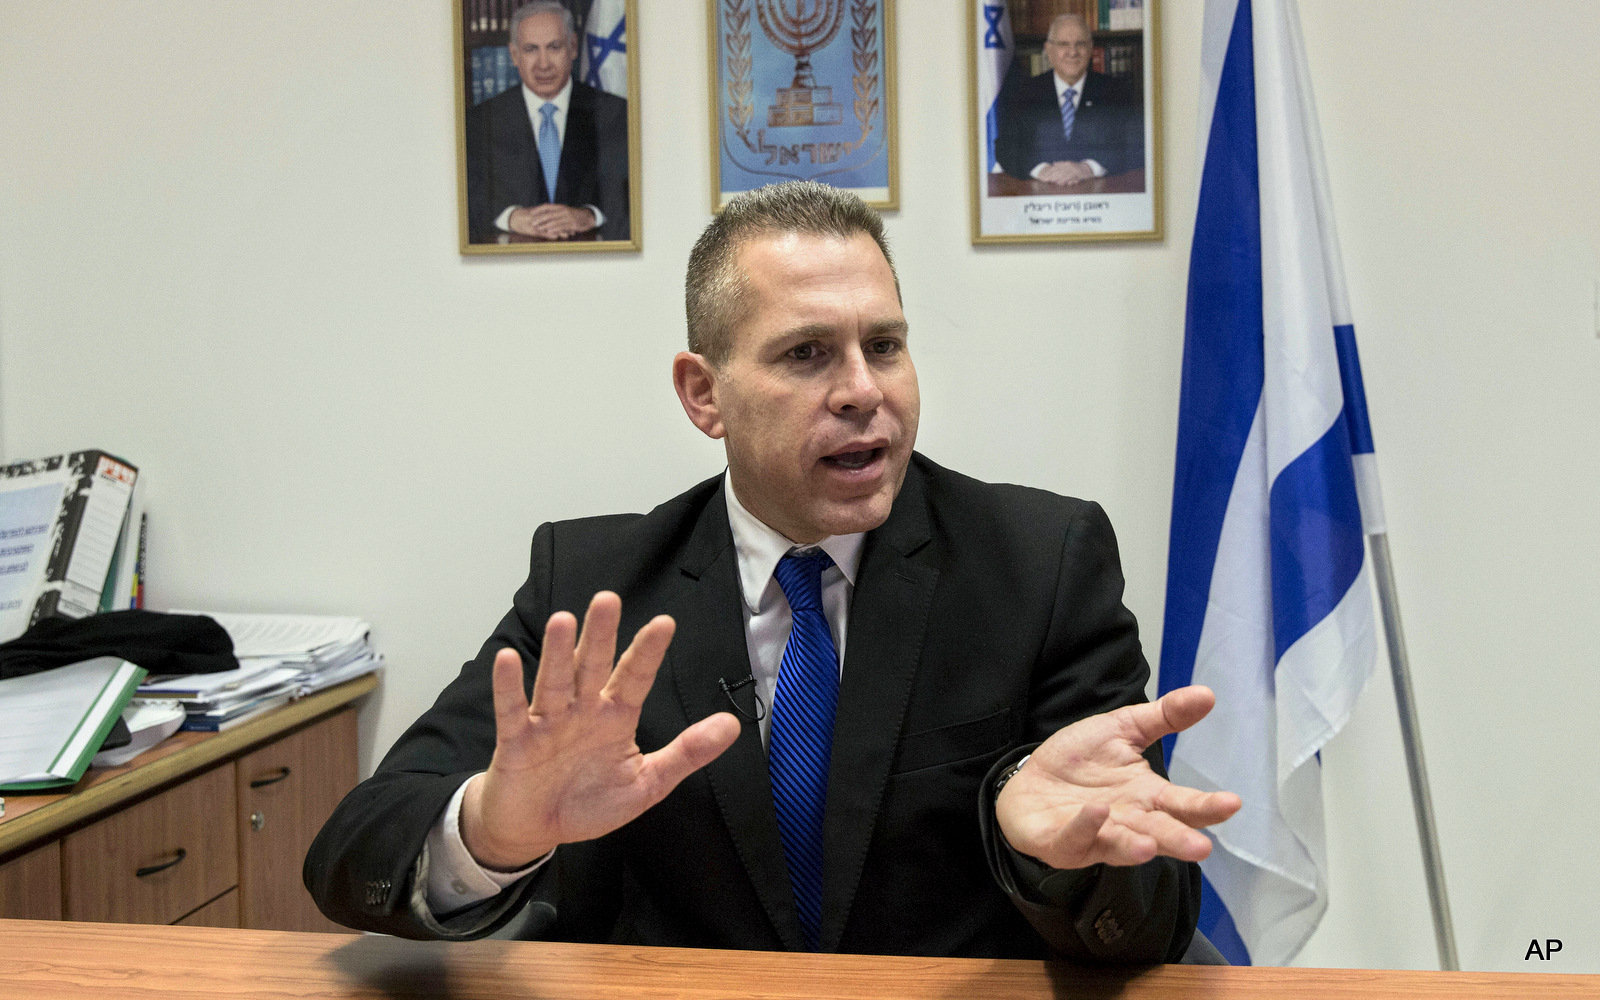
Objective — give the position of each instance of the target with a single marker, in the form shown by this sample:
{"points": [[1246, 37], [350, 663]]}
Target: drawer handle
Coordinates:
{"points": [[283, 772], [147, 870]]}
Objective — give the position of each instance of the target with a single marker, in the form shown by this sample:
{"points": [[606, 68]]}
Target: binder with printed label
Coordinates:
{"points": [[60, 521]]}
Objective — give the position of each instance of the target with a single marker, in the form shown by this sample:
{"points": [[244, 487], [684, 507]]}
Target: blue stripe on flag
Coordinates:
{"points": [[1216, 923], [1317, 541], [1355, 390], [992, 125], [1223, 369]]}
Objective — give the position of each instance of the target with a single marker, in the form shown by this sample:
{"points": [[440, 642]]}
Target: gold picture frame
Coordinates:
{"points": [[1009, 122], [863, 32], [480, 28]]}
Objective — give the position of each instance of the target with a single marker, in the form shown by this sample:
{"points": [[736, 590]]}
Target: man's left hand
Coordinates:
{"points": [[552, 222], [1066, 172], [1087, 796]]}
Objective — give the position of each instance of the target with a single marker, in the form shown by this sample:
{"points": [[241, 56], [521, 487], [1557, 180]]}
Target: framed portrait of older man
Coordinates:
{"points": [[547, 125], [803, 90], [1064, 133]]}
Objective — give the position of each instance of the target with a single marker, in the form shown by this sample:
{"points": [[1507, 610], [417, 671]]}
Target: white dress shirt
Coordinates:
{"points": [[455, 880], [1076, 88], [534, 102]]}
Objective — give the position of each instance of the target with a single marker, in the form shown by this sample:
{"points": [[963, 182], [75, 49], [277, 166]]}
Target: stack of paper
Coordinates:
{"points": [[280, 657]]}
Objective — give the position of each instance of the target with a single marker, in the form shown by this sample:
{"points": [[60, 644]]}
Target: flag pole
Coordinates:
{"points": [[1444, 932]]}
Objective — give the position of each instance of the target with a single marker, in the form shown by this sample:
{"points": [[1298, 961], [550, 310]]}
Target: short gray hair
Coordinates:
{"points": [[715, 289], [527, 10]]}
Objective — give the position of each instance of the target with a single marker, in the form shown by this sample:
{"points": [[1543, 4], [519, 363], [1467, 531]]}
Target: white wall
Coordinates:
{"points": [[227, 252]]}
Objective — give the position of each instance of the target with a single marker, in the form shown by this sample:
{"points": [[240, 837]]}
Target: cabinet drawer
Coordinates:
{"points": [[30, 886], [156, 861], [220, 912], [286, 791]]}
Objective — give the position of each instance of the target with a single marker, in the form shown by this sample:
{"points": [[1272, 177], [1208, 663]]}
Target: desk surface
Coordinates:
{"points": [[66, 961], [32, 818]]}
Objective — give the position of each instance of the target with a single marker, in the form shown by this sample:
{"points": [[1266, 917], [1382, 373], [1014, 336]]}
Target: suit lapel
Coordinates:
{"points": [[710, 646], [888, 622]]}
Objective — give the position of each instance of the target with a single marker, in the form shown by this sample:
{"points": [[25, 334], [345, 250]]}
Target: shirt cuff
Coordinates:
{"points": [[455, 879], [502, 221], [1036, 171], [599, 216], [1094, 165]]}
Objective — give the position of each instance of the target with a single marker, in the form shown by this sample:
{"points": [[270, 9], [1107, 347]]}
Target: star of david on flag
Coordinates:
{"points": [[605, 48]]}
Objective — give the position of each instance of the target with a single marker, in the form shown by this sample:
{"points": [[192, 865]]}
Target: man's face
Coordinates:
{"points": [[818, 398], [1068, 49], [543, 53]]}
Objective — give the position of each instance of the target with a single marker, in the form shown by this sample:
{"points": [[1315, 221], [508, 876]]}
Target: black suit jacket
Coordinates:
{"points": [[503, 167], [1108, 127], [984, 618]]}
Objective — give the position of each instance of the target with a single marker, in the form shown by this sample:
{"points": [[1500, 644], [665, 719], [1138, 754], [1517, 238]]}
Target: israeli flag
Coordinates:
{"points": [[995, 50], [1268, 598], [605, 47]]}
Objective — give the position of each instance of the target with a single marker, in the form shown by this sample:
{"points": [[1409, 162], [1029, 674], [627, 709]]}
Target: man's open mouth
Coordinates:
{"points": [[853, 459]]}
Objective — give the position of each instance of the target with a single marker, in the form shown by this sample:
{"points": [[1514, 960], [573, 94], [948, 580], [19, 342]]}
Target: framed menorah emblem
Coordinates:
{"points": [[803, 90], [1065, 120]]}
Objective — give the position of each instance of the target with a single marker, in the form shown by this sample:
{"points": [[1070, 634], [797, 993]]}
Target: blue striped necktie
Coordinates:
{"points": [[549, 148], [1069, 111], [801, 741]]}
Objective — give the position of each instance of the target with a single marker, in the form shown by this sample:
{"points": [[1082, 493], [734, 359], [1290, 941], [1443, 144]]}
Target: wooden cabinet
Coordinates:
{"points": [[30, 886], [286, 791], [157, 861], [210, 830], [220, 912]]}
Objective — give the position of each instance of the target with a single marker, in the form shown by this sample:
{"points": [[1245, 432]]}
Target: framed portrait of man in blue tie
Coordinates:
{"points": [[547, 125], [1065, 120]]}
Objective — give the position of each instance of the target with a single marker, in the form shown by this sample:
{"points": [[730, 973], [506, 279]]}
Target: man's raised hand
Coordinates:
{"points": [[565, 766], [1087, 795]]}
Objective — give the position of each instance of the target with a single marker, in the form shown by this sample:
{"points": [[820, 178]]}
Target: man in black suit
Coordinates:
{"points": [[548, 125], [1070, 124], [977, 774]]}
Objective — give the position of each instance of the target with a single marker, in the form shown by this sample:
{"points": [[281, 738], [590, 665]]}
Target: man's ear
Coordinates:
{"points": [[695, 378]]}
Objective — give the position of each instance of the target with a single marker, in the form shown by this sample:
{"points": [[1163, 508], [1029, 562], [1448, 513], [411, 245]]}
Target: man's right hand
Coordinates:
{"points": [[566, 767], [550, 221]]}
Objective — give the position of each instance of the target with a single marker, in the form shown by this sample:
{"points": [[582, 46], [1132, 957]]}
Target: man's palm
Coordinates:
{"points": [[1087, 795], [566, 766]]}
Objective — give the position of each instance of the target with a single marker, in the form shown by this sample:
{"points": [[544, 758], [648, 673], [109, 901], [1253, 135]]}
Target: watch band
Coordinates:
{"points": [[1008, 774]]}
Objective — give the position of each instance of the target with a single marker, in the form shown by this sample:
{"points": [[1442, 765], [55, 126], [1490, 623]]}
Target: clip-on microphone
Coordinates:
{"points": [[729, 689]]}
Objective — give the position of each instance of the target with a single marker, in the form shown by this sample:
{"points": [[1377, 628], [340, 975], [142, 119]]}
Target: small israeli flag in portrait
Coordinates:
{"points": [[995, 51], [605, 47], [1268, 578]]}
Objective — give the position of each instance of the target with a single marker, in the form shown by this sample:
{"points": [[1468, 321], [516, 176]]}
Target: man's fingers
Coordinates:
{"points": [[1172, 838], [694, 748], [597, 647], [636, 671], [552, 686], [1077, 838], [1123, 845], [1173, 712], [1196, 808], [510, 704]]}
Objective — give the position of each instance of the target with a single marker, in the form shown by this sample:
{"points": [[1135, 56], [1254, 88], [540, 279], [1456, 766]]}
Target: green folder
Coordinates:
{"points": [[53, 722]]}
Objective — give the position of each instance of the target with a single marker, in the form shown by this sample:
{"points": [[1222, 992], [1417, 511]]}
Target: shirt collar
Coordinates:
{"points": [[760, 547], [1062, 85], [561, 100]]}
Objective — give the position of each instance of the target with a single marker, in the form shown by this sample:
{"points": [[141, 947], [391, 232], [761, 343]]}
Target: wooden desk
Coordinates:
{"points": [[95, 961], [232, 812]]}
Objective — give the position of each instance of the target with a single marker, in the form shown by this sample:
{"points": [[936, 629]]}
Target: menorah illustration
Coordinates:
{"points": [[801, 32]]}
